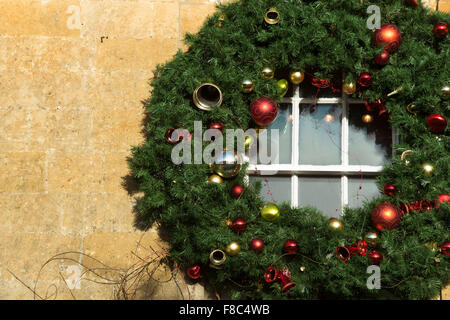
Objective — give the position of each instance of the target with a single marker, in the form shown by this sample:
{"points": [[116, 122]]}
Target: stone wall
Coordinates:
{"points": [[73, 74]]}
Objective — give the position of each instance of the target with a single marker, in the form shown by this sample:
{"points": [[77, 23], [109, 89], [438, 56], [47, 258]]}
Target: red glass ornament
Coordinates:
{"points": [[383, 58], [216, 125], [358, 248], [441, 199], [389, 189], [440, 30], [445, 248], [365, 79], [388, 37], [236, 191], [320, 83], [426, 205], [415, 205], [271, 274], [239, 225], [290, 247], [343, 253], [263, 111], [412, 3], [376, 105], [375, 257], [385, 216], [194, 272], [436, 123], [257, 245]]}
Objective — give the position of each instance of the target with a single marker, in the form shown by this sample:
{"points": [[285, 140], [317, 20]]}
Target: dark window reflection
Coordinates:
{"points": [[370, 141], [320, 134]]}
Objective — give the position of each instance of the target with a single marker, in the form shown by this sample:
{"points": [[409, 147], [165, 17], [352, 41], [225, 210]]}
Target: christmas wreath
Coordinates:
{"points": [[231, 77]]}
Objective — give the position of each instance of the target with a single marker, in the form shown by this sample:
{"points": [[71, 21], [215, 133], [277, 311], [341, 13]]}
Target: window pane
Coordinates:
{"points": [[274, 189], [323, 193], [369, 143], [283, 123], [361, 189], [320, 134]]}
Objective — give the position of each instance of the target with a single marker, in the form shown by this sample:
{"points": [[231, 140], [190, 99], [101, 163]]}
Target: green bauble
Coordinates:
{"points": [[270, 212]]}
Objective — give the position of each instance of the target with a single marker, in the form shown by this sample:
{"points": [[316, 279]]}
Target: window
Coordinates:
{"points": [[328, 156]]}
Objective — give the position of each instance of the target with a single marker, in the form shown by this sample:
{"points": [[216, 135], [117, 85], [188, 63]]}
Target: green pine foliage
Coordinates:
{"points": [[325, 38]]}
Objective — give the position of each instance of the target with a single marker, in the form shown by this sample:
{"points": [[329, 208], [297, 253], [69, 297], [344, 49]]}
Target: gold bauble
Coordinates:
{"points": [[367, 118], [217, 258], [296, 76], [228, 164], [214, 178], [247, 85], [272, 16], [233, 248], [270, 212], [248, 142], [335, 224], [283, 87], [371, 238], [428, 168], [267, 73], [349, 87], [302, 268], [445, 92]]}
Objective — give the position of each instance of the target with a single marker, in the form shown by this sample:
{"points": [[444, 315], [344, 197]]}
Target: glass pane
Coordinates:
{"points": [[320, 134], [323, 193], [283, 123], [274, 189], [370, 143], [361, 189]]}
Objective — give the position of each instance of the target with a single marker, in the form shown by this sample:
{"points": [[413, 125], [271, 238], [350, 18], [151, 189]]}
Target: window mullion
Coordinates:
{"points": [[344, 150], [295, 141]]}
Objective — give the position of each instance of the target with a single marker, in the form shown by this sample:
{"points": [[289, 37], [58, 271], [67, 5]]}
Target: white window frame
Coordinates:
{"points": [[294, 169]]}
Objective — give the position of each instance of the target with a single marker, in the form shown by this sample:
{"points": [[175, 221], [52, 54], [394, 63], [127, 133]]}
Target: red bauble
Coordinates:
{"points": [[290, 247], [264, 111], [375, 257], [216, 125], [441, 199], [440, 30], [257, 245], [436, 123], [445, 248], [365, 79], [383, 58], [239, 225], [320, 83], [388, 37], [426, 205], [412, 3], [386, 216], [194, 272], [377, 105], [236, 191], [389, 189]]}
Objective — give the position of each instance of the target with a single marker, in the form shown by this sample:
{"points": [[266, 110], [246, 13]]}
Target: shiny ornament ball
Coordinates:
{"points": [[296, 76], [385, 216], [233, 248], [440, 30], [236, 191], [267, 73], [375, 257], [247, 85], [239, 225], [365, 79], [443, 198], [349, 87], [389, 189], [214, 178], [367, 118], [216, 125], [290, 247], [270, 212], [283, 87], [372, 238], [335, 224], [257, 245], [382, 59], [387, 37], [445, 248], [228, 164], [263, 111], [436, 123], [194, 272], [445, 92], [428, 168]]}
